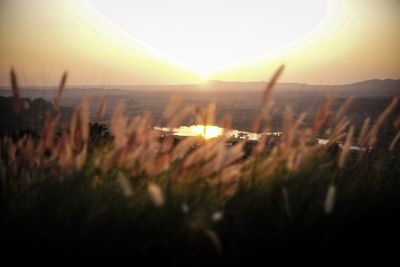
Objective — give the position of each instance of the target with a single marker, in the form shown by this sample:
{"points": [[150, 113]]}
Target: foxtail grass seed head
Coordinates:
{"points": [[172, 106], [323, 114], [397, 122], [363, 132], [210, 119], [372, 135], [84, 119], [60, 90], [102, 107], [272, 82], [217, 216], [118, 126], [227, 122], [262, 116], [346, 148], [394, 142], [125, 184], [181, 116], [343, 109], [155, 194], [15, 91], [81, 157], [330, 199], [185, 208]]}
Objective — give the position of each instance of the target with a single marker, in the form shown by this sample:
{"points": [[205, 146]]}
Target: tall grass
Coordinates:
{"points": [[137, 195]]}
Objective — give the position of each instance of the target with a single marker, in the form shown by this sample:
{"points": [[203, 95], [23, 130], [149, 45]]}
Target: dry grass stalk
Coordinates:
{"points": [[60, 90], [234, 153], [260, 146], [138, 149], [323, 114], [229, 176], [394, 142], [289, 134], [342, 110], [202, 153], [118, 126], [183, 147], [271, 84], [201, 115], [65, 151], [167, 144], [142, 132], [79, 126], [330, 199], [216, 243], [346, 148], [338, 132], [48, 130], [372, 135], [84, 119], [15, 91], [226, 122], [218, 156], [156, 194], [210, 119], [102, 107], [180, 116], [125, 184], [340, 127], [363, 133], [262, 116], [334, 140], [81, 157], [266, 106], [288, 129], [397, 122], [11, 151], [172, 106]]}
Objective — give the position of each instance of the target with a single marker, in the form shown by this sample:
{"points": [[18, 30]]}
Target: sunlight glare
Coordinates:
{"points": [[210, 35], [207, 131]]}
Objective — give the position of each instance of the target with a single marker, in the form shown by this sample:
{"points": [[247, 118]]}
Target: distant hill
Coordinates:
{"points": [[369, 88], [386, 87]]}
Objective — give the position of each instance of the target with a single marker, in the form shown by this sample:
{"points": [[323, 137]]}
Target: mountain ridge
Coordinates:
{"points": [[366, 88]]}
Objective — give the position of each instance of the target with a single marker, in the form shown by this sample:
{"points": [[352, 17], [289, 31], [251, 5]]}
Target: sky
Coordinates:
{"points": [[138, 42]]}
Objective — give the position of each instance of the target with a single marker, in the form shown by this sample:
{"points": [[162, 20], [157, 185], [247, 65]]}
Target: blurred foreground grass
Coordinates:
{"points": [[72, 197]]}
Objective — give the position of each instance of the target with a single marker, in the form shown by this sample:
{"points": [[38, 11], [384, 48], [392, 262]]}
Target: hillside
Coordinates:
{"points": [[368, 88]]}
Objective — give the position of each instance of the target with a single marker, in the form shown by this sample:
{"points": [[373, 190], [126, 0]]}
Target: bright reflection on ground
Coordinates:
{"points": [[212, 131], [207, 131]]}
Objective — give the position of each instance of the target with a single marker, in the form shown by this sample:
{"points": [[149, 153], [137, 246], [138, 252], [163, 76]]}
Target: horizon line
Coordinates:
{"points": [[201, 84]]}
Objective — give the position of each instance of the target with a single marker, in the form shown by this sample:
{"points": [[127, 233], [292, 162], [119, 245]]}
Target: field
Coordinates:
{"points": [[70, 194]]}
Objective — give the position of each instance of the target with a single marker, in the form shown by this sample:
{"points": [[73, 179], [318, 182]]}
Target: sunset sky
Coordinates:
{"points": [[126, 42]]}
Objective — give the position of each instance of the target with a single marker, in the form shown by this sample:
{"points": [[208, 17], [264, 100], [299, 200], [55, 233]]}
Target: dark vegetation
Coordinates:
{"points": [[76, 192]]}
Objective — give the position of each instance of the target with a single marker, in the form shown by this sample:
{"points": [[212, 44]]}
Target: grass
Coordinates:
{"points": [[138, 198]]}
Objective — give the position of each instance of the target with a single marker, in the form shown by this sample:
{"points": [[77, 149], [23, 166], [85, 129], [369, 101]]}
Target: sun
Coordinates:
{"points": [[211, 35]]}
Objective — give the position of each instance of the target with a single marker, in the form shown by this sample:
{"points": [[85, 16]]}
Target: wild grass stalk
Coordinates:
{"points": [[152, 181]]}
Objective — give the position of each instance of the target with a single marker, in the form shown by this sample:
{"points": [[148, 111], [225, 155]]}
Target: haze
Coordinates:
{"points": [[173, 42]]}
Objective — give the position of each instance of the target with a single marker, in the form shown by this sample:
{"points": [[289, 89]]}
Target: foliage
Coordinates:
{"points": [[84, 195]]}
